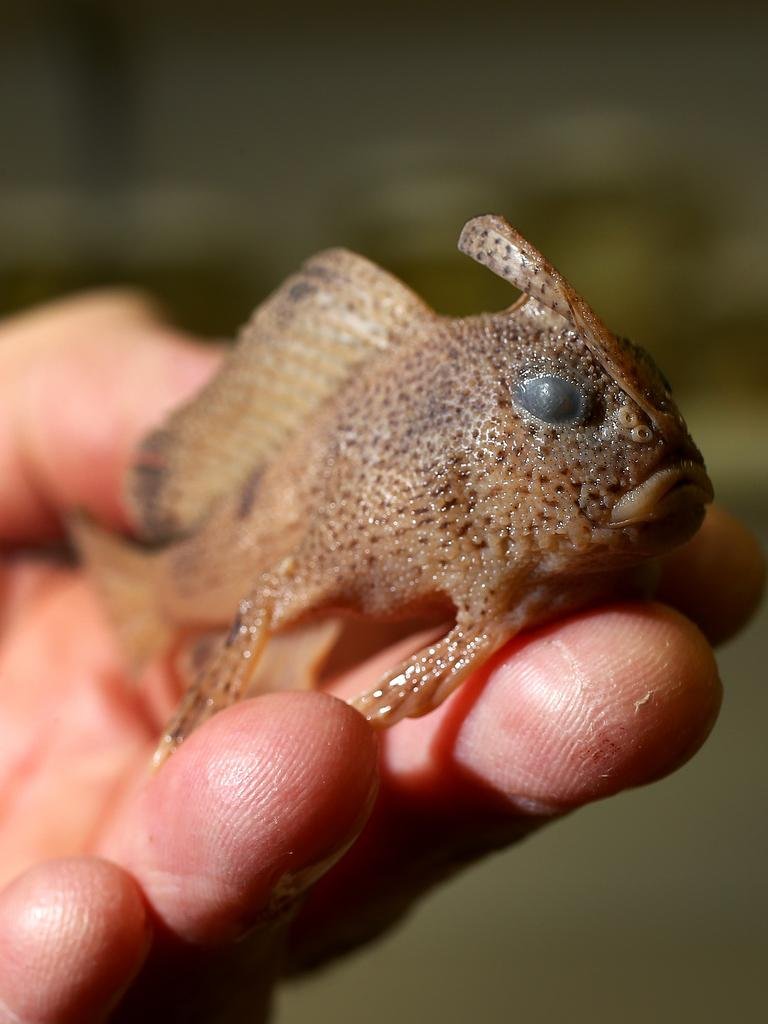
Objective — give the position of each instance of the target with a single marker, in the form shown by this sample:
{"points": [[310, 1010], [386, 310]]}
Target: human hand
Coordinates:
{"points": [[127, 881]]}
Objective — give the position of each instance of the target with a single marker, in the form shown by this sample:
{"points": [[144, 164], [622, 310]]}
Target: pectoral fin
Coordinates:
{"points": [[224, 677], [292, 660]]}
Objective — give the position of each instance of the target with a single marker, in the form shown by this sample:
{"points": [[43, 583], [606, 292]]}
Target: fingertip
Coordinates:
{"points": [[71, 315], [718, 578], [254, 806], [604, 701], [73, 934]]}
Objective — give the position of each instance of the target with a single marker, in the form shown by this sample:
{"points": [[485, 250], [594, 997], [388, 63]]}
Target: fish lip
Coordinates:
{"points": [[665, 490]]}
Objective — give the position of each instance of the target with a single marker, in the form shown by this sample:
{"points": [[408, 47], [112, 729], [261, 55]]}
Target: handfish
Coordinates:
{"points": [[359, 454]]}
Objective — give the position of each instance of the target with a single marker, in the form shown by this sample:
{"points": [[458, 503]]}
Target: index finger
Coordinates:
{"points": [[717, 579], [81, 381]]}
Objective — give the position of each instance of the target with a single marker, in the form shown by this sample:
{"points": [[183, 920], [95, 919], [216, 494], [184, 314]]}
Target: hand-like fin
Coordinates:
{"points": [[338, 311], [223, 677], [492, 241], [292, 660]]}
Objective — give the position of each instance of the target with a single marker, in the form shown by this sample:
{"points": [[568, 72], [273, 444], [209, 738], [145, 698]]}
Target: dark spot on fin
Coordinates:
{"points": [[333, 315], [235, 630], [319, 271], [248, 494], [202, 651], [149, 475], [196, 654], [300, 290]]}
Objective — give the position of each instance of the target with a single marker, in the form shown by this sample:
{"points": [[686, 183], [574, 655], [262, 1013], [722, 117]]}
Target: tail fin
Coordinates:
{"points": [[126, 577]]}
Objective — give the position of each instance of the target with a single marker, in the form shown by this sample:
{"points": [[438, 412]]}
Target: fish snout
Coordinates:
{"points": [[680, 485]]}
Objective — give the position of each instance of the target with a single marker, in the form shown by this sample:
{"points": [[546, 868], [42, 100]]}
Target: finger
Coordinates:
{"points": [[717, 579], [69, 723], [605, 699], [73, 934], [248, 812], [81, 381], [574, 712]]}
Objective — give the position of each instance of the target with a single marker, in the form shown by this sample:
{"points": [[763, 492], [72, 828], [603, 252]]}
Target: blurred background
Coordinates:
{"points": [[203, 150]]}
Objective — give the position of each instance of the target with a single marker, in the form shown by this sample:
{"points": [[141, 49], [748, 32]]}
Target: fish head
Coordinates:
{"points": [[601, 452]]}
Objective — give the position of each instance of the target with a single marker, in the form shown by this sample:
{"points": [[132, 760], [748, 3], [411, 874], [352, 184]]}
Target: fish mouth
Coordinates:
{"points": [[666, 491]]}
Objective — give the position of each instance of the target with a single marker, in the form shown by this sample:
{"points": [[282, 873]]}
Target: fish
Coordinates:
{"points": [[360, 455]]}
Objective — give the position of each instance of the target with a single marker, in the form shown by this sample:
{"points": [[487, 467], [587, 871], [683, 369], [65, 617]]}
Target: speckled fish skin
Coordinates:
{"points": [[421, 480]]}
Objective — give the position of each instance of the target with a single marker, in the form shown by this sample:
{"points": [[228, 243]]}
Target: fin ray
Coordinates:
{"points": [[126, 576], [492, 241], [338, 311]]}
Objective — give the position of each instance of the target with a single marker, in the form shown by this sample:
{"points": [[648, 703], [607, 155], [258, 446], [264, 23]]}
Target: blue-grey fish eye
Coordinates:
{"points": [[552, 399]]}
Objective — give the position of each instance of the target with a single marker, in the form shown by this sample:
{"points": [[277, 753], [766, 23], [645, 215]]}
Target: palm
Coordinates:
{"points": [[269, 789], [75, 731]]}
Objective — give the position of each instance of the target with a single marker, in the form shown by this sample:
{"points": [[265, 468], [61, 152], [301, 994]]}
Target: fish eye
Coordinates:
{"points": [[552, 399]]}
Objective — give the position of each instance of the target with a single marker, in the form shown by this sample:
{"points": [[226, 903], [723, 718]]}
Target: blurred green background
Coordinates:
{"points": [[203, 150]]}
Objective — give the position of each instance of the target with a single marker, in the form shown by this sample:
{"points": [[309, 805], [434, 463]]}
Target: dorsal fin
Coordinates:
{"points": [[492, 241], [338, 311]]}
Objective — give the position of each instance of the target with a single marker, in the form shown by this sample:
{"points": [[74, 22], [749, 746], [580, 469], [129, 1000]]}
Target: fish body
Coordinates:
{"points": [[359, 453]]}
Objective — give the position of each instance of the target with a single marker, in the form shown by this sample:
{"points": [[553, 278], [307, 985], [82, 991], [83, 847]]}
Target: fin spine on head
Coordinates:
{"points": [[492, 241], [126, 577]]}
